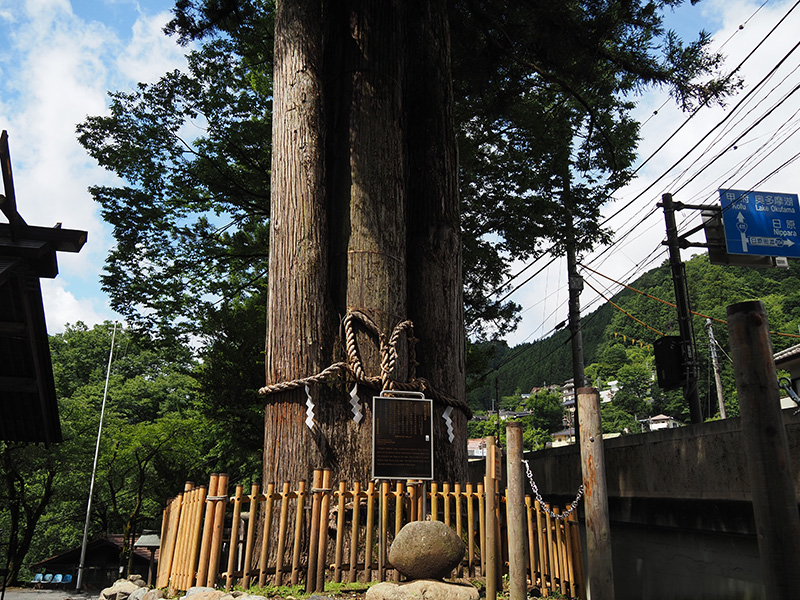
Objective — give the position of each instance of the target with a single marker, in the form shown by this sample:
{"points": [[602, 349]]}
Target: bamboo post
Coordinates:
{"points": [[411, 493], [593, 466], [398, 518], [580, 579], [552, 563], [298, 531], [491, 530], [337, 559], [251, 531], [470, 530], [161, 579], [482, 524], [398, 507], [384, 529], [354, 532], [208, 527], [515, 510], [219, 525], [267, 533], [369, 537], [198, 510], [446, 502], [283, 523], [531, 538], [548, 547], [457, 507], [181, 541], [177, 560], [459, 525], [434, 501], [767, 449], [322, 546], [542, 547], [233, 543], [559, 552], [311, 573], [569, 553]]}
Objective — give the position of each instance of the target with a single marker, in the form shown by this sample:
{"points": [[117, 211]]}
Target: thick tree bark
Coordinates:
{"points": [[434, 231], [299, 324], [350, 174]]}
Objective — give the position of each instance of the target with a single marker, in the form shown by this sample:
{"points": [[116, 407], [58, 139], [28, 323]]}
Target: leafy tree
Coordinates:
{"points": [[377, 155], [634, 393], [191, 225], [512, 94], [615, 419], [533, 437], [153, 440], [548, 412]]}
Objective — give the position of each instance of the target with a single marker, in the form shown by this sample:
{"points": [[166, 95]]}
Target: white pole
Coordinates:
{"points": [[81, 566]]}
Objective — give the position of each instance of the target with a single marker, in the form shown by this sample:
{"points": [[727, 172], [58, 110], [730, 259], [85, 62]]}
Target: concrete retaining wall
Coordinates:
{"points": [[680, 508]]}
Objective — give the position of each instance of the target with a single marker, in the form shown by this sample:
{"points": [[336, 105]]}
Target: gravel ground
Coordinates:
{"points": [[31, 594]]}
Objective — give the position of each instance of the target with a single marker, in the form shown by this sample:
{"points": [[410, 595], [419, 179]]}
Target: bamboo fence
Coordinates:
{"points": [[341, 534]]}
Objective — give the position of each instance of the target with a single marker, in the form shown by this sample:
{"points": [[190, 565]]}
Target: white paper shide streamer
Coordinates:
{"points": [[356, 404], [449, 420], [309, 409]]}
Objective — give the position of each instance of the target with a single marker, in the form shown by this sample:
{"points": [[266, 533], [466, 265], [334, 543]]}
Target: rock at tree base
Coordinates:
{"points": [[426, 550], [422, 589], [121, 589]]}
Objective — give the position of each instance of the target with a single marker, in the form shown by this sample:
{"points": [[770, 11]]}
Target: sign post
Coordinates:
{"points": [[761, 223]]}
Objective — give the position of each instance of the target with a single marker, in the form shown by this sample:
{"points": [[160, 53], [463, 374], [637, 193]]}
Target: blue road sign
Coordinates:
{"points": [[761, 223]]}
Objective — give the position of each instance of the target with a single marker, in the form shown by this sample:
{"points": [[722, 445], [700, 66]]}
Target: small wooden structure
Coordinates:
{"points": [[102, 561], [27, 390]]}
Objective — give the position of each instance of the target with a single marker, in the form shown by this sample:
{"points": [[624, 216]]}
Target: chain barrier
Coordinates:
{"points": [[572, 505]]}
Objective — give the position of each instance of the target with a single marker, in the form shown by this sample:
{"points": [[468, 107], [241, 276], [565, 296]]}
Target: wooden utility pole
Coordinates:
{"points": [[684, 313], [515, 506], [767, 447], [575, 289], [600, 580]]}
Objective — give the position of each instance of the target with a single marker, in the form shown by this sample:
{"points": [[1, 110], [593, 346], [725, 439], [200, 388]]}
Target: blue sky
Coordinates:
{"points": [[58, 59]]}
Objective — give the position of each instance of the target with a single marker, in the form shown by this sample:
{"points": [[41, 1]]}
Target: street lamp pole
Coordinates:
{"points": [[82, 564]]}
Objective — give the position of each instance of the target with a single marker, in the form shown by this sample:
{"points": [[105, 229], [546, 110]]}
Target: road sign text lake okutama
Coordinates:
{"points": [[761, 223]]}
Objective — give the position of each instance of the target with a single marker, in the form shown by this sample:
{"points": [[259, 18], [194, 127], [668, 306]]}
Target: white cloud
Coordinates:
{"points": [[57, 68], [149, 53], [61, 307]]}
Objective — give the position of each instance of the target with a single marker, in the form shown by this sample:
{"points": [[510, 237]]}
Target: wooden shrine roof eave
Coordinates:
{"points": [[28, 403]]}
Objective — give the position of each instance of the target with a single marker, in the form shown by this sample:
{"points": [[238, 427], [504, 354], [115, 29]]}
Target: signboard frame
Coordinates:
{"points": [[415, 437]]}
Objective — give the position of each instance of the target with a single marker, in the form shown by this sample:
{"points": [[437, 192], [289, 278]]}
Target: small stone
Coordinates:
{"points": [[120, 590], [203, 593], [426, 550], [422, 589]]}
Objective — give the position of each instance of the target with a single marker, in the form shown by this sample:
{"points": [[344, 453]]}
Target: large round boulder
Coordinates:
{"points": [[426, 550]]}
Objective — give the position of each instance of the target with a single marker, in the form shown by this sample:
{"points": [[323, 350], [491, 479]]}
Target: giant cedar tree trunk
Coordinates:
{"points": [[362, 142], [299, 318]]}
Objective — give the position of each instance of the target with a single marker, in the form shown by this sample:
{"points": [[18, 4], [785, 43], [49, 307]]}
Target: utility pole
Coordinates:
{"points": [[690, 375], [575, 289], [712, 343]]}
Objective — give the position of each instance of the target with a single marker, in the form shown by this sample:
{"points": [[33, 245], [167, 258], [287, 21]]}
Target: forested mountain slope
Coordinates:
{"points": [[608, 330]]}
